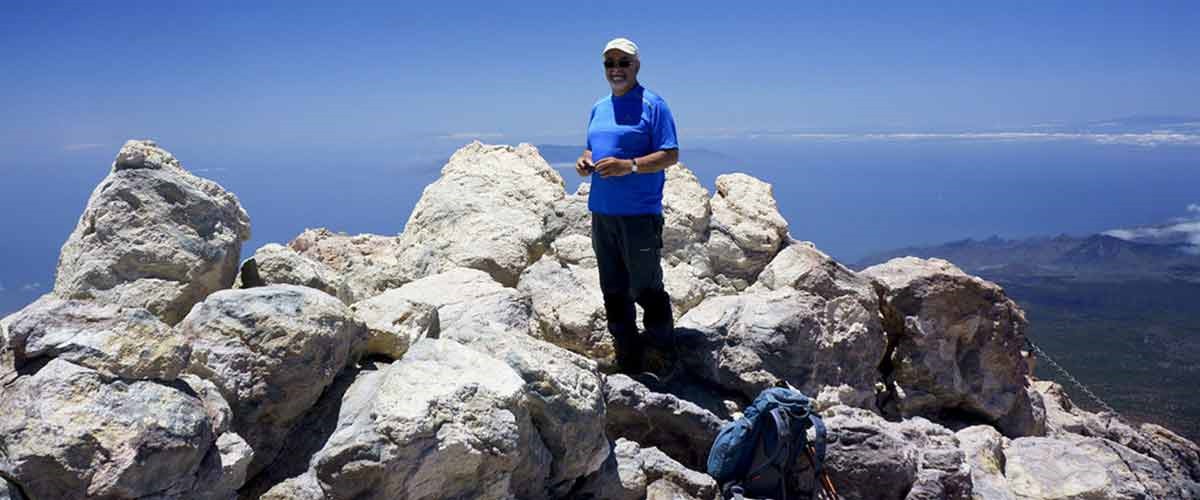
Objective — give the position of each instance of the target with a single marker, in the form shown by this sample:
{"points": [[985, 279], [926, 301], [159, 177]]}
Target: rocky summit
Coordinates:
{"points": [[468, 357]]}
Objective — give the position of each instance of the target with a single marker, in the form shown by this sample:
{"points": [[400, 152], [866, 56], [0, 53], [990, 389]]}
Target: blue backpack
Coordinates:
{"points": [[753, 455]]}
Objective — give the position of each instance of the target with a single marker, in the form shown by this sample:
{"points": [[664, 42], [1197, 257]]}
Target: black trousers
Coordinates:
{"points": [[628, 253]]}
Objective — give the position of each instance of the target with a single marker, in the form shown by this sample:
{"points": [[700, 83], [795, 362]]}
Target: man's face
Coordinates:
{"points": [[621, 79]]}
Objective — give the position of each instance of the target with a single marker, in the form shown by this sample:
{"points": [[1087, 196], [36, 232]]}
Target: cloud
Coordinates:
{"points": [[1150, 139], [472, 135], [82, 147], [31, 287], [2, 287], [212, 169], [1180, 231]]}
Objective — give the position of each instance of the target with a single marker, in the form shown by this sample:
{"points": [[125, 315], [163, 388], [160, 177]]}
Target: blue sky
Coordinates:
{"points": [[82, 75], [880, 124]]}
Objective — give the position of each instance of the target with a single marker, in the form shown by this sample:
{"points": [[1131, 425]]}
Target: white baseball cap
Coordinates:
{"points": [[622, 44]]}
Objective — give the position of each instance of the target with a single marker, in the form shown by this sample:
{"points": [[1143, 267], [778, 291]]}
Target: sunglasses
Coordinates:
{"points": [[623, 63]]}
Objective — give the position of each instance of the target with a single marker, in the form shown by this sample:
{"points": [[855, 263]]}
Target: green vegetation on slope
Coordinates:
{"points": [[1136, 344]]}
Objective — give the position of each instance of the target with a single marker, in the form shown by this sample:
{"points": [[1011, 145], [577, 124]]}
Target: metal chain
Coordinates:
{"points": [[1067, 375], [1108, 409]]}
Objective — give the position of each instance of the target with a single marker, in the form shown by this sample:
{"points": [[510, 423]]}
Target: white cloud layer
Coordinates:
{"points": [[1185, 231], [82, 147], [473, 135], [1149, 139]]}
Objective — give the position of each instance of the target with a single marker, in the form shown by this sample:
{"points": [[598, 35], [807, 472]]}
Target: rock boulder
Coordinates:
{"points": [[69, 432], [957, 342], [488, 211], [117, 341], [153, 236], [271, 351]]}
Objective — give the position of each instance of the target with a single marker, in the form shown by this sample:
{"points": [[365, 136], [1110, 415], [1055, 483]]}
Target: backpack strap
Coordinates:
{"points": [[783, 434], [818, 443]]}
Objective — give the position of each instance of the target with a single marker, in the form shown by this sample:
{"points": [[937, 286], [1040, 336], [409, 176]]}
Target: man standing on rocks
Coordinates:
{"points": [[631, 137]]}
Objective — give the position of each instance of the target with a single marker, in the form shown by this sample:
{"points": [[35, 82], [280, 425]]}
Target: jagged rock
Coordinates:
{"points": [[633, 473], [801, 266], [488, 211], [746, 228], [681, 429], [957, 345], [871, 458], [153, 235], [347, 402], [69, 432], [368, 264], [568, 307], [271, 351], [448, 422], [225, 468], [275, 264], [1065, 420], [119, 342], [8, 357], [686, 215], [688, 285], [1174, 451], [565, 391], [394, 323], [571, 217], [10, 491], [749, 342], [983, 447], [575, 250], [1050, 468], [303, 487], [220, 415], [468, 300]]}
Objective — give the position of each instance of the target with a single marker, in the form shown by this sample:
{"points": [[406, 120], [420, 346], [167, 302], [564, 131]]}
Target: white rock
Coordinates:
{"points": [[395, 323], [448, 422], [749, 342], [271, 351], [153, 235], [958, 344], [488, 211], [368, 264], [567, 395], [120, 342], [275, 264], [747, 229], [67, 433]]}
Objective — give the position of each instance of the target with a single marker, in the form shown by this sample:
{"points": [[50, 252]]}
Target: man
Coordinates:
{"points": [[630, 141]]}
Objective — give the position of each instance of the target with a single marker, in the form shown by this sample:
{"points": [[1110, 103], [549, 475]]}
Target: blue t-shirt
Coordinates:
{"points": [[629, 126]]}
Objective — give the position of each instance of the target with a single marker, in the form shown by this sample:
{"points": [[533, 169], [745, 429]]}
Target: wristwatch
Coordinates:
{"points": [[634, 161]]}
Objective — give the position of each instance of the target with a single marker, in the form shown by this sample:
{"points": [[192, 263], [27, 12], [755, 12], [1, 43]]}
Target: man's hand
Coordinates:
{"points": [[614, 167], [584, 165]]}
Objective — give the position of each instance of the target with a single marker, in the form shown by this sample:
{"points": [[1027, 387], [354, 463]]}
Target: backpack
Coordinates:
{"points": [[754, 455]]}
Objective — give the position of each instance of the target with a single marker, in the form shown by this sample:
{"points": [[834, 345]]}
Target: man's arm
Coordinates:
{"points": [[657, 161], [653, 162]]}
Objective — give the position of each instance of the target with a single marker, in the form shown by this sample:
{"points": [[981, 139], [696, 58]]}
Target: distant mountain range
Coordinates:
{"points": [[1099, 257]]}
